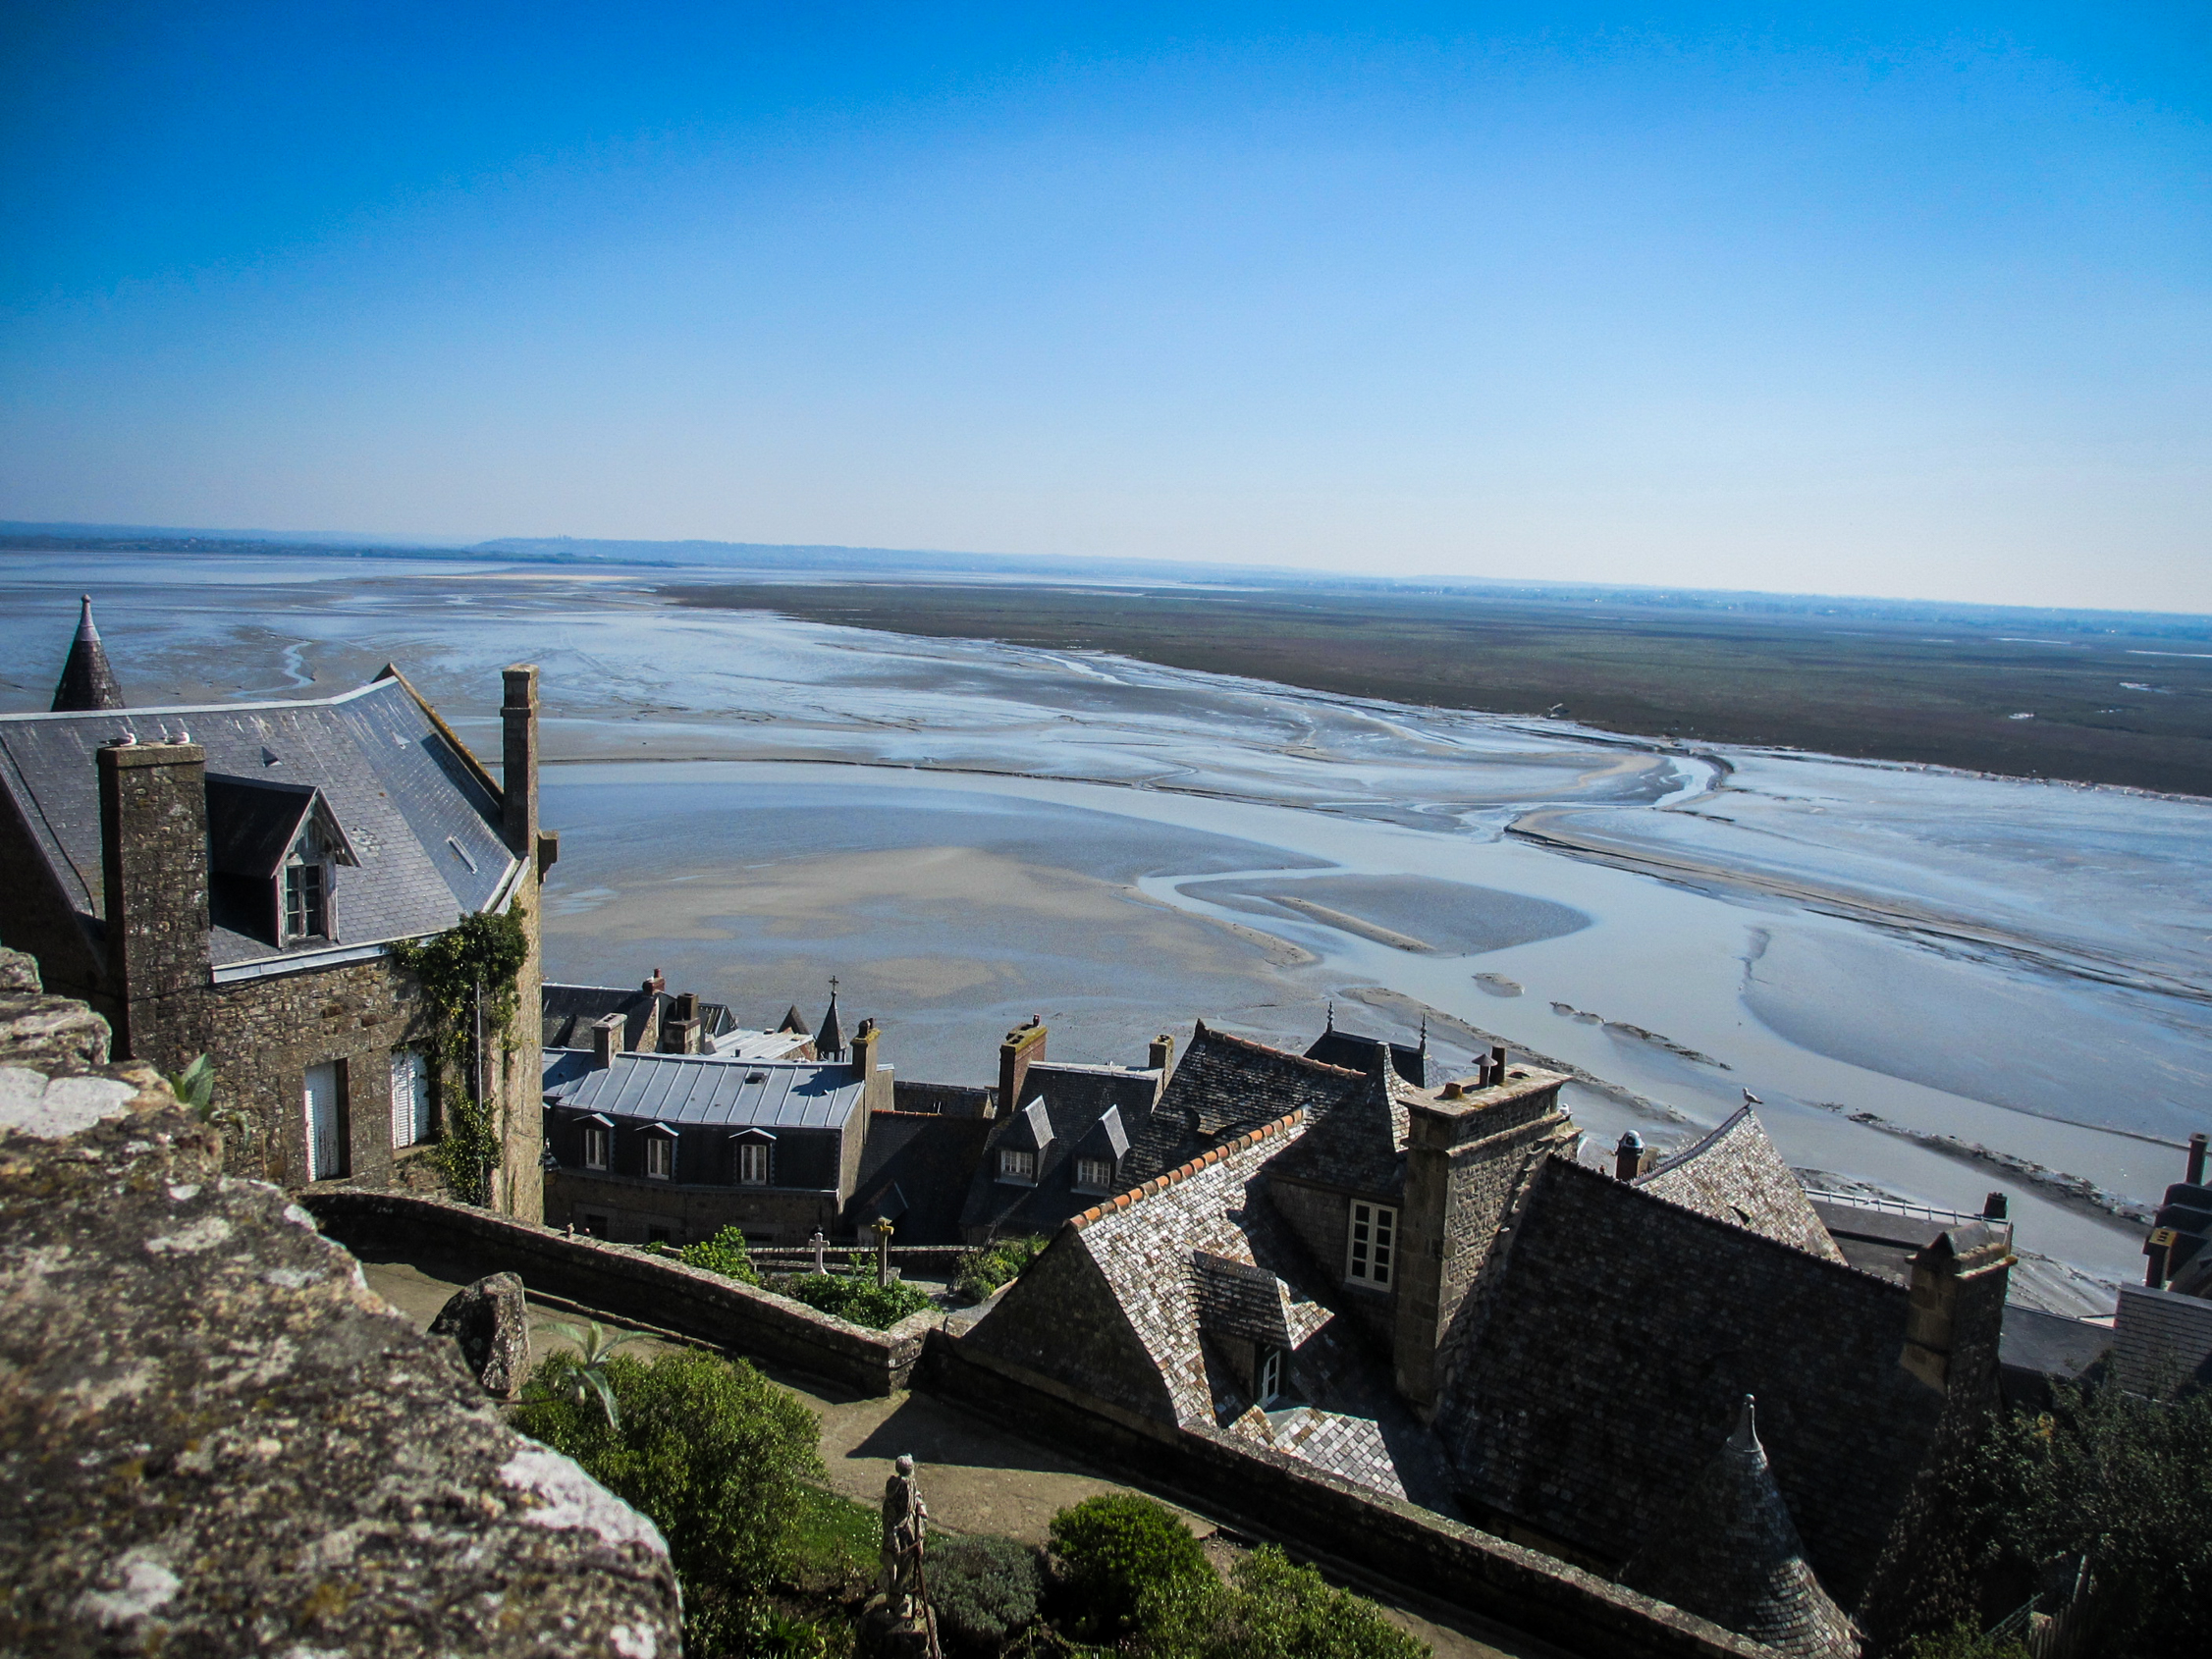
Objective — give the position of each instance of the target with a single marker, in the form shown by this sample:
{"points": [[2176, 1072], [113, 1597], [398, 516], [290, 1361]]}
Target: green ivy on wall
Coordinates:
{"points": [[485, 950]]}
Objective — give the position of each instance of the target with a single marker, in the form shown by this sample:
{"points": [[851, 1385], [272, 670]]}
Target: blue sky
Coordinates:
{"points": [[1910, 300]]}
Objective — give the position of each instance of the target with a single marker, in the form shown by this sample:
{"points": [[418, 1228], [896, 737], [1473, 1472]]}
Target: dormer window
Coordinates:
{"points": [[307, 897], [1094, 1175], [273, 851], [1016, 1165]]}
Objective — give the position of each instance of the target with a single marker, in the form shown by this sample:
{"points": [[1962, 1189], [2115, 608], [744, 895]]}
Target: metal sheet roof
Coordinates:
{"points": [[709, 1090]]}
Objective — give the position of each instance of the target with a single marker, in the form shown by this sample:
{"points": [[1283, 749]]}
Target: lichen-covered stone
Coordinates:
{"points": [[215, 1441], [490, 1321]]}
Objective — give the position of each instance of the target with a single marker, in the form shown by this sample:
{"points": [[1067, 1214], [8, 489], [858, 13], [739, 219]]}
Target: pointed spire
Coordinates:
{"points": [[1331, 1014], [1730, 1553], [830, 1041], [86, 682]]}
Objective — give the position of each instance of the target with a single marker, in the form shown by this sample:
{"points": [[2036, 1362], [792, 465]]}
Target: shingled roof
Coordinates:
{"points": [[1620, 1336], [1075, 1099], [1735, 1174], [86, 681], [1730, 1553], [1223, 1086], [420, 815], [1357, 1141], [1135, 1299]]}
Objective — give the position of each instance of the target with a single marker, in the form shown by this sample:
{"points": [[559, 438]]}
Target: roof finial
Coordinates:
{"points": [[1746, 1437], [1332, 1013]]}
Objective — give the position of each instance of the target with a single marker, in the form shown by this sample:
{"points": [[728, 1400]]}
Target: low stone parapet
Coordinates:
{"points": [[625, 1282]]}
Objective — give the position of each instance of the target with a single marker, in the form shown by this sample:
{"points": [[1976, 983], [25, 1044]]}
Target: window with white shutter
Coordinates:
{"points": [[410, 1098]]}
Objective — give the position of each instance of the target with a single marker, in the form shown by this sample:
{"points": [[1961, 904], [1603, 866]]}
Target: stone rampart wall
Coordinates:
{"points": [[1315, 1514], [627, 1283]]}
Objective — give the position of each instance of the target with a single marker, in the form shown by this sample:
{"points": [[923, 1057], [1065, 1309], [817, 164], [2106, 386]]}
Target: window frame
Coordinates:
{"points": [[307, 913], [1267, 1377], [1094, 1174], [659, 1150], [599, 1147], [752, 1153], [1019, 1164], [1371, 1245]]}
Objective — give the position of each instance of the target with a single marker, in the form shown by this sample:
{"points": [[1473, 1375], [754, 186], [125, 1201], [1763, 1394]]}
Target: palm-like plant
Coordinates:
{"points": [[585, 1377]]}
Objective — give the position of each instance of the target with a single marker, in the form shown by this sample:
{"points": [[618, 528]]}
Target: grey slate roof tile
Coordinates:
{"points": [[420, 815], [1735, 1174], [1223, 1086]]}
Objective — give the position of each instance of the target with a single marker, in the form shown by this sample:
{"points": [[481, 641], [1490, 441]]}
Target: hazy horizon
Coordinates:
{"points": [[1912, 304]]}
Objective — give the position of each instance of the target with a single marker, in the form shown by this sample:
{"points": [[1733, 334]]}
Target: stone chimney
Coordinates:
{"points": [[1023, 1048], [683, 1032], [1468, 1161], [153, 857], [518, 754], [1161, 1057], [606, 1041], [1630, 1159], [867, 1045], [2197, 1159], [1957, 1308]]}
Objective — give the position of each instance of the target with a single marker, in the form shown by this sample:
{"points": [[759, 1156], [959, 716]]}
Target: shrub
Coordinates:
{"points": [[1113, 1552], [725, 1253], [1274, 1609], [849, 1296], [985, 1589], [717, 1456], [1963, 1642], [984, 1271]]}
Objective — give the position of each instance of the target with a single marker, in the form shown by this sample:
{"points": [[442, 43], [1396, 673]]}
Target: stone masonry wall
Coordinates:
{"points": [[616, 1279], [685, 1214], [215, 1441]]}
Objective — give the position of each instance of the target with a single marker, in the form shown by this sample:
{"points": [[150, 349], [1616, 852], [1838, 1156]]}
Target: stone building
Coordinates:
{"points": [[1421, 1290], [672, 1147], [228, 880]]}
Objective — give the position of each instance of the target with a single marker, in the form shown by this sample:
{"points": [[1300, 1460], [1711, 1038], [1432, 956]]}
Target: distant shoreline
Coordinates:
{"points": [[1857, 687]]}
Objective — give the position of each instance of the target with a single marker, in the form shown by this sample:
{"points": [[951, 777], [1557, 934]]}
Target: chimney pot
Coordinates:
{"points": [[1994, 1207], [2197, 1159], [1628, 1158], [1454, 1090], [606, 1041]]}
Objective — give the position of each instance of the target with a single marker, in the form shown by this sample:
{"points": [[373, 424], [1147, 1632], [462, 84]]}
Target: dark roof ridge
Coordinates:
{"points": [[1173, 1177], [1205, 1029], [1583, 1171]]}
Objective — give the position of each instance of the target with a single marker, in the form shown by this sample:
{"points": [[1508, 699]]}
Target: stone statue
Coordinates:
{"points": [[906, 1525]]}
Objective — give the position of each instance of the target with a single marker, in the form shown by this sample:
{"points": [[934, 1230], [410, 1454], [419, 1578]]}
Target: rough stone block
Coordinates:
{"points": [[490, 1321]]}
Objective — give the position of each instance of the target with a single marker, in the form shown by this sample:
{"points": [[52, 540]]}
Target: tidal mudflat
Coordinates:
{"points": [[1931, 979]]}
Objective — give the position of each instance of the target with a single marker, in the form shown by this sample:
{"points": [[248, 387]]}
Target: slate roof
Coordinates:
{"points": [[1223, 1086], [1357, 1141], [929, 1159], [570, 1011], [421, 816], [706, 1089], [1735, 1174], [1621, 1334], [1075, 1099], [87, 680], [1350, 1050], [1136, 1296], [1730, 1553], [252, 824]]}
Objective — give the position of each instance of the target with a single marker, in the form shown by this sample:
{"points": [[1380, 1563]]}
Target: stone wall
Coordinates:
{"points": [[1315, 1514], [215, 1440], [650, 1289], [636, 1210]]}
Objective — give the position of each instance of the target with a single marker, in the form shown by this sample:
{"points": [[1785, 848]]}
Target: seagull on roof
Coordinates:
{"points": [[1752, 1099]]}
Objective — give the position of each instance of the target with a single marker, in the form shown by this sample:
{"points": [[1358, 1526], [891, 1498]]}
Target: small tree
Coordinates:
{"points": [[1117, 1552], [985, 1589], [725, 1253], [720, 1459]]}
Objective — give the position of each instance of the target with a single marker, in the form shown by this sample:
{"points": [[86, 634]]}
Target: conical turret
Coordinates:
{"points": [[830, 1041], [86, 682], [1730, 1553]]}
